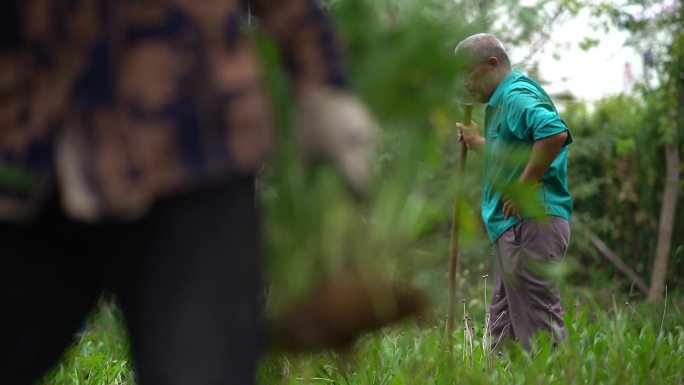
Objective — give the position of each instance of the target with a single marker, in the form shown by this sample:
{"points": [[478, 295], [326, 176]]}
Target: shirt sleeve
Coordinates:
{"points": [[533, 117], [306, 40]]}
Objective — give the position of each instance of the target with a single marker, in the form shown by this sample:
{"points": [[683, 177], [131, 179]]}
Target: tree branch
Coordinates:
{"points": [[610, 255]]}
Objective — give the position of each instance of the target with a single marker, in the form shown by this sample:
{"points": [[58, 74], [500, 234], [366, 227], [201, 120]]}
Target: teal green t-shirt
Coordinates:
{"points": [[519, 113]]}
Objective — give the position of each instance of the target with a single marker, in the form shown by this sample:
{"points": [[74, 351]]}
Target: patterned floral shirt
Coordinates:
{"points": [[115, 103]]}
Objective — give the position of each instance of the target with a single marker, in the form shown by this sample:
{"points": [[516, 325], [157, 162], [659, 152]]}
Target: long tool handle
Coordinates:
{"points": [[467, 119], [453, 252]]}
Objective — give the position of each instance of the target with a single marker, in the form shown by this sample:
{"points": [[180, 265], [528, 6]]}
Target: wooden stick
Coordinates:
{"points": [[453, 252]]}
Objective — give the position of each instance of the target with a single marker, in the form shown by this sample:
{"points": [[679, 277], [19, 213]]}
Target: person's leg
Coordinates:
{"points": [[527, 251], [500, 328], [190, 293], [46, 291]]}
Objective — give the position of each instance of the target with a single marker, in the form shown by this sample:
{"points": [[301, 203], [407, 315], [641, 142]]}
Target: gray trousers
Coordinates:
{"points": [[525, 297]]}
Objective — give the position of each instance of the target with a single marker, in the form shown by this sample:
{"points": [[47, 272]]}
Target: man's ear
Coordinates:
{"points": [[493, 61]]}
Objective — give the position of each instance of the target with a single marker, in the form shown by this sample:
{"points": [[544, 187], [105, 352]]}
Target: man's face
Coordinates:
{"points": [[479, 81]]}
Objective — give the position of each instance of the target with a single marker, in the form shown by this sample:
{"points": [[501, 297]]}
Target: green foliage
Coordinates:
{"points": [[401, 64], [617, 163], [100, 355], [16, 179], [615, 173], [588, 43]]}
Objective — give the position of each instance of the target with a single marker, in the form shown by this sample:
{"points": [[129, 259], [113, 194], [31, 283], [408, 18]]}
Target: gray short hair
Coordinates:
{"points": [[476, 49]]}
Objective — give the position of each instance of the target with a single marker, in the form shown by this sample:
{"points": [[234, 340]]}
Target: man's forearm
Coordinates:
{"points": [[544, 152]]}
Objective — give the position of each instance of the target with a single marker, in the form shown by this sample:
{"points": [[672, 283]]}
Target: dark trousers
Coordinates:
{"points": [[187, 277], [525, 299]]}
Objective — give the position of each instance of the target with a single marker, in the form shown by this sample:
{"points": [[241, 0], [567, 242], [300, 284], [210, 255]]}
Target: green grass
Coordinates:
{"points": [[620, 344], [100, 354], [610, 342]]}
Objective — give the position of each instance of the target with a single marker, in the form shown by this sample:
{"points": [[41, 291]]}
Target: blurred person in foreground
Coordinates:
{"points": [[520, 118], [130, 133]]}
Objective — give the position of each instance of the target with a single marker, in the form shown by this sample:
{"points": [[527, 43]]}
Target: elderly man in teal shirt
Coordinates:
{"points": [[525, 145]]}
